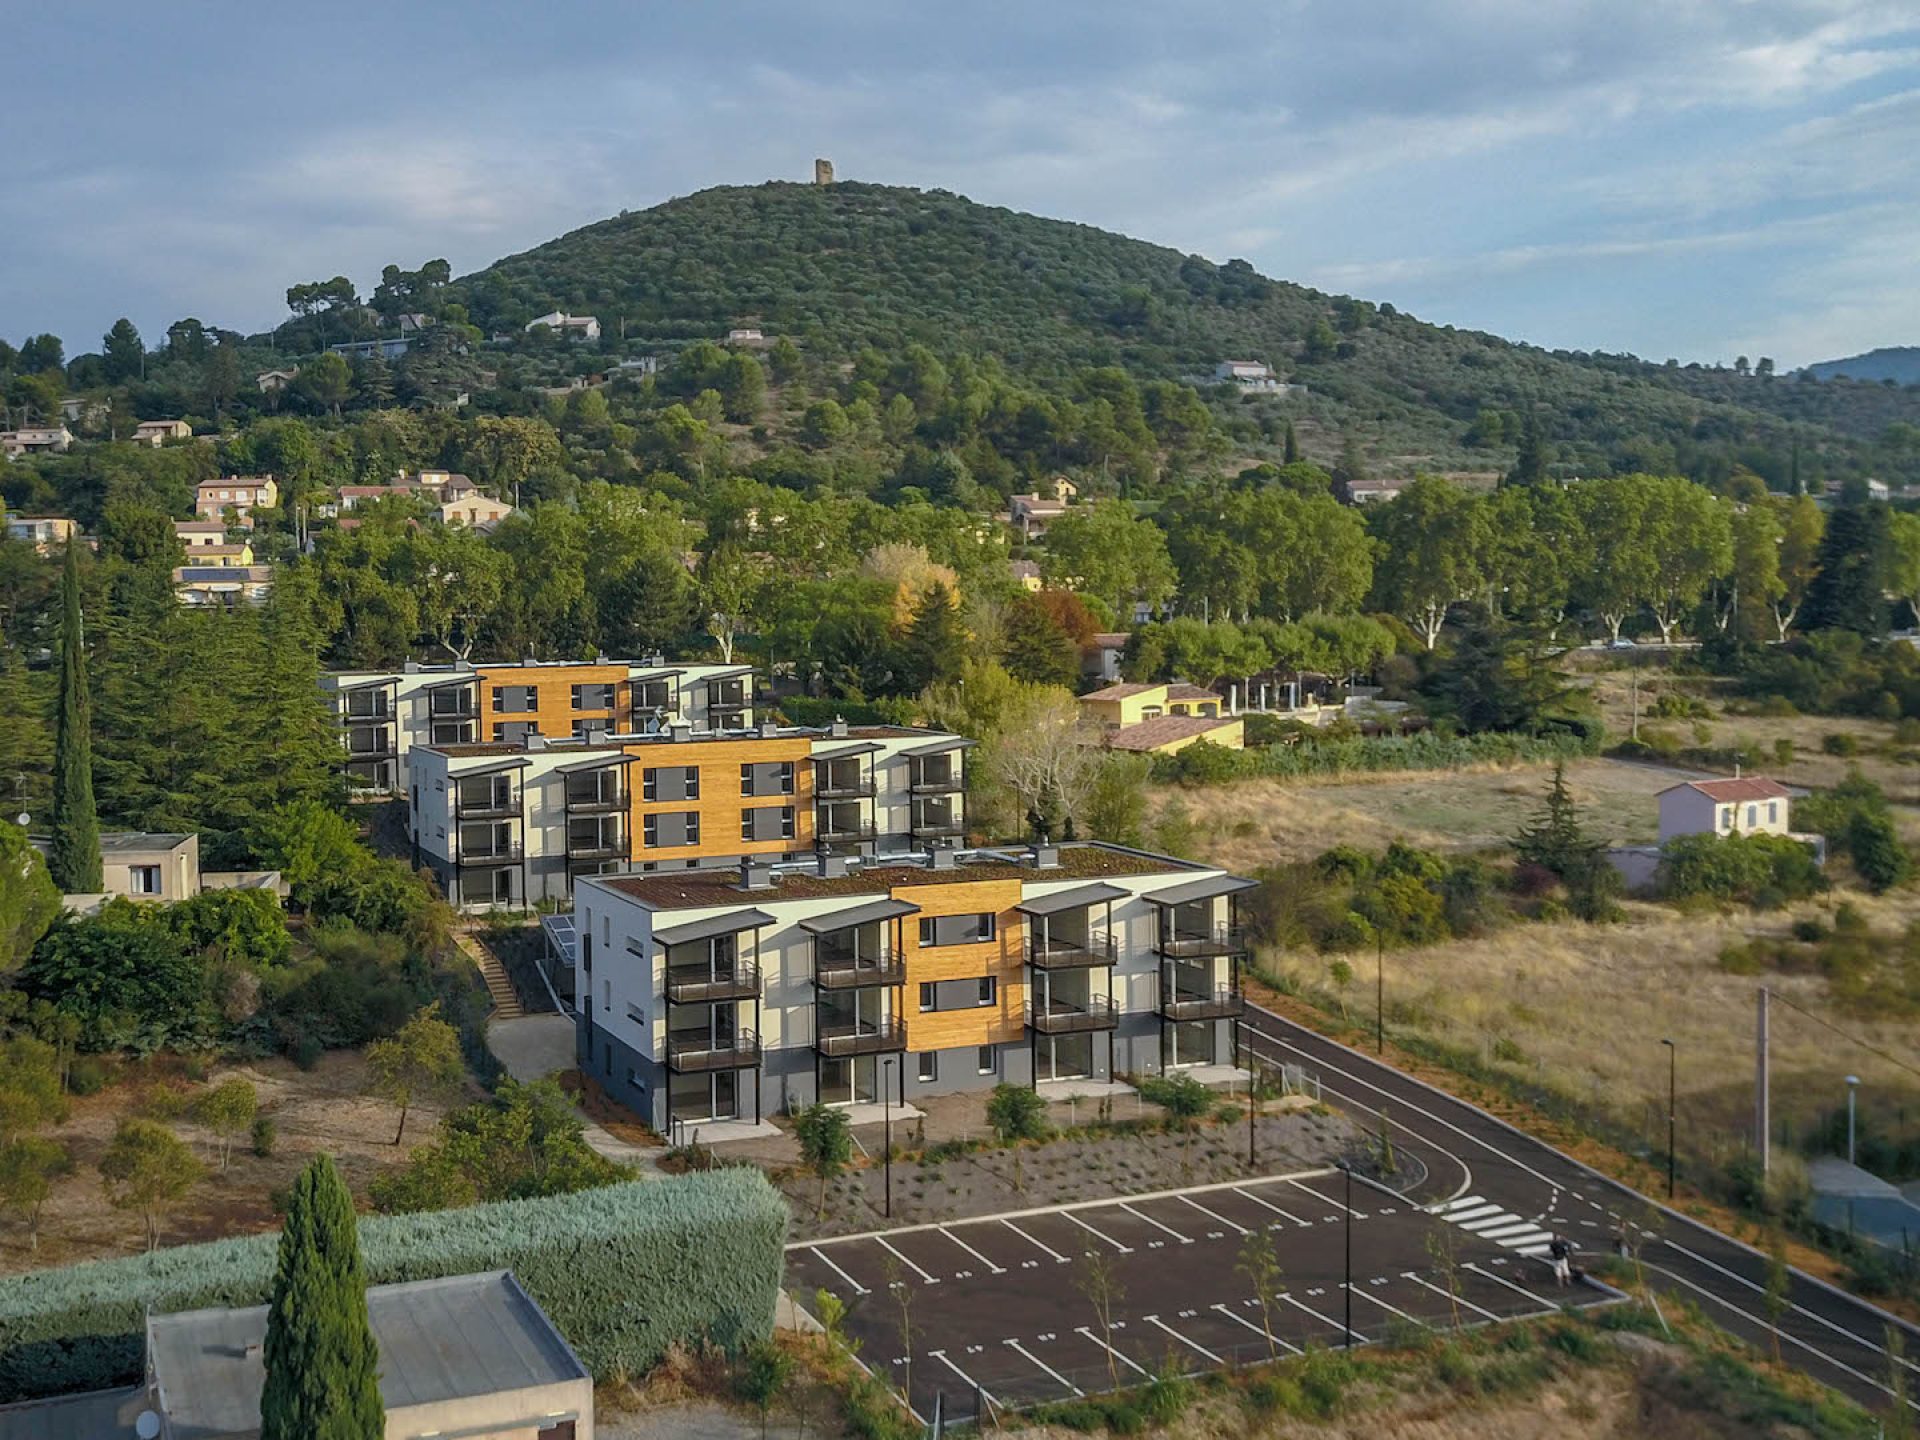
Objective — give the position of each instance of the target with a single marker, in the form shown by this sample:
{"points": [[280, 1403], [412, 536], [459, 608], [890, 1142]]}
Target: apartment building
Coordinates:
{"points": [[714, 995], [383, 715], [516, 823]]}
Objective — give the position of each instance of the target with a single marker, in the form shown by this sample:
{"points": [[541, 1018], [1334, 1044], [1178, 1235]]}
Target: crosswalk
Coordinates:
{"points": [[1479, 1216]]}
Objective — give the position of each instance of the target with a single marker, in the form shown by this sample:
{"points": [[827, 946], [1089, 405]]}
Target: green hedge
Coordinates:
{"points": [[807, 710], [1204, 763], [623, 1272]]}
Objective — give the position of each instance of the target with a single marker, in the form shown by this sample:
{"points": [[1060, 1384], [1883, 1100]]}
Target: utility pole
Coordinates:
{"points": [[1762, 1121], [1673, 1053], [1380, 995]]}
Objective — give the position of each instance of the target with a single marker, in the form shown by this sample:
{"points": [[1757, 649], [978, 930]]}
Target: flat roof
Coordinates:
{"points": [[439, 1340], [98, 1415], [129, 840], [694, 889]]}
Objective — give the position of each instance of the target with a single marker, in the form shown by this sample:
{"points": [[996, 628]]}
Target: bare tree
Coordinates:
{"points": [[1444, 1250], [1095, 1278], [1260, 1263], [902, 1291], [1045, 754]]}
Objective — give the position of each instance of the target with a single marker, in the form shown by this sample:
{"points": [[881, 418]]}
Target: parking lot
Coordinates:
{"points": [[999, 1309]]}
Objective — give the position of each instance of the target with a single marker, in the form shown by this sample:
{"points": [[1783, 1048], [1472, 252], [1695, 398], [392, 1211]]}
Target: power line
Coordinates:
{"points": [[1847, 1035]]}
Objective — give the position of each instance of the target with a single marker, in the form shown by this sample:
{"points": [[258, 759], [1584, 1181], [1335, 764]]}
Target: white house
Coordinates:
{"points": [[574, 327], [157, 432], [1247, 374], [35, 440], [1750, 806]]}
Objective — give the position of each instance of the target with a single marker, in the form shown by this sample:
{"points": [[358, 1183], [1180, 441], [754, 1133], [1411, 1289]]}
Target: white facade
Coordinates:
{"points": [[584, 327], [1725, 807]]}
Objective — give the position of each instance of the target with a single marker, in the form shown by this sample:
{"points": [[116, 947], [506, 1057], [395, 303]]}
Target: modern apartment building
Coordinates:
{"points": [[517, 822], [713, 995], [384, 714]]}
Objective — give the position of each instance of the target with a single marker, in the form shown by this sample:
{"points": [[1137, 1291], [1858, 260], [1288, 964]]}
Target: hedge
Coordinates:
{"points": [[622, 1271], [1204, 763]]}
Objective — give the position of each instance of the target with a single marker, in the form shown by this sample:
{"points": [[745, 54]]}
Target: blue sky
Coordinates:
{"points": [[1694, 178]]}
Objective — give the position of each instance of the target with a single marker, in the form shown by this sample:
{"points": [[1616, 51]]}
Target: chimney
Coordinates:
{"points": [[756, 875], [1736, 769], [838, 729]]}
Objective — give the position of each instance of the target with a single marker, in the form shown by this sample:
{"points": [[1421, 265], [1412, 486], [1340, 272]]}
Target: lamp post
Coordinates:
{"points": [[1673, 1053], [1346, 1168], [1380, 995], [1853, 1089], [886, 1109]]}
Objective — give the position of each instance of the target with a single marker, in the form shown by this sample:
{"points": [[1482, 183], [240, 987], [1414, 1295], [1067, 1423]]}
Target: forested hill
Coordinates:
{"points": [[1898, 363], [851, 266]]}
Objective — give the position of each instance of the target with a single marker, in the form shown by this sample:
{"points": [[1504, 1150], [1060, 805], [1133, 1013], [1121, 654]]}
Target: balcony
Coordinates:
{"points": [[460, 707], [838, 1041], [1222, 1004], [1222, 940], [855, 972], [381, 714], [843, 790], [596, 804], [843, 830], [1058, 1017], [938, 784], [697, 984], [498, 855], [606, 847], [694, 1054], [496, 807], [939, 825], [1057, 954], [385, 749]]}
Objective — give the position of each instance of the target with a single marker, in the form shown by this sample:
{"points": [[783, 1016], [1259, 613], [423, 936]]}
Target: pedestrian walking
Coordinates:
{"points": [[1560, 1251]]}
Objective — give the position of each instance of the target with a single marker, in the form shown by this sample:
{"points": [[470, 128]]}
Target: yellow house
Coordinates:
{"points": [[1161, 719]]}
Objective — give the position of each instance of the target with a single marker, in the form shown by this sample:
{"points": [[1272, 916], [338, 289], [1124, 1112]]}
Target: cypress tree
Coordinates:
{"points": [[1291, 455], [75, 860], [322, 1380]]}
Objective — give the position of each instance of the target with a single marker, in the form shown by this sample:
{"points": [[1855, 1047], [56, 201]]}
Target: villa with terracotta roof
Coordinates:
{"points": [[1159, 719]]}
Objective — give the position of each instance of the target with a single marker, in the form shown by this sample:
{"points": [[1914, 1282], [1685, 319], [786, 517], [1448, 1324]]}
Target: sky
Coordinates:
{"points": [[1697, 179]]}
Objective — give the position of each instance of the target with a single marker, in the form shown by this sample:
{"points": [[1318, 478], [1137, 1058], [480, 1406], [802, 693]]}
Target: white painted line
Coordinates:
{"points": [[1190, 1344], [858, 1288], [1263, 1334], [1357, 1214], [996, 1269], [1286, 1214], [1529, 1239], [1123, 1358], [1338, 1326], [1508, 1233], [1231, 1225], [1455, 1207], [941, 1356], [1183, 1239], [1533, 1252], [1477, 1212], [1123, 1249], [1020, 1349], [1506, 1219], [1457, 1299], [1502, 1280], [905, 1260], [1030, 1240], [1395, 1309]]}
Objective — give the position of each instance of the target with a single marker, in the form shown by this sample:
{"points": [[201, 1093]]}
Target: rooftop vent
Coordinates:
{"points": [[1044, 857], [832, 867], [536, 741], [838, 728], [768, 730], [756, 875], [943, 857], [412, 667], [680, 731]]}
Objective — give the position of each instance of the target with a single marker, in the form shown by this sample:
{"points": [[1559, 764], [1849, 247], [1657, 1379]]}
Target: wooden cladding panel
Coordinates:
{"points": [[1003, 957], [721, 802], [553, 708]]}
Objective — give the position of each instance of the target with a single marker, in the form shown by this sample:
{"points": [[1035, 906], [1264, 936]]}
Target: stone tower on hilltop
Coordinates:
{"points": [[823, 172]]}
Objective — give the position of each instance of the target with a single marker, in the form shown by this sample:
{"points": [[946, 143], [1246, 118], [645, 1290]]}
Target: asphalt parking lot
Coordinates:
{"points": [[998, 1309]]}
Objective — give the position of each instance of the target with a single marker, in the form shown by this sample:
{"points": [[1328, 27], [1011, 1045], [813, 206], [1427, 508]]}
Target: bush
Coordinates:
{"points": [[685, 1260], [1838, 742], [88, 1075], [266, 1135], [1205, 764], [1878, 856], [1760, 870], [1016, 1113]]}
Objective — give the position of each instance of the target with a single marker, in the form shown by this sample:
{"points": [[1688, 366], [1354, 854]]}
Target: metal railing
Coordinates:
{"points": [[1221, 940], [841, 1040], [1057, 954], [853, 972], [937, 785], [606, 847], [846, 790], [1220, 1004], [696, 984], [843, 830], [498, 855], [953, 825], [699, 1053], [493, 808], [1058, 1017], [597, 804]]}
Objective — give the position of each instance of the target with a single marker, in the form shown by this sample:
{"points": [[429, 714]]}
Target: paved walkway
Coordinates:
{"points": [[536, 1046]]}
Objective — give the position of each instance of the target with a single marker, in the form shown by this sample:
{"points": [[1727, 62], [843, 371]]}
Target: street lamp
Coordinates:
{"points": [[1380, 995], [1673, 1055], [886, 1109], [1853, 1089]]}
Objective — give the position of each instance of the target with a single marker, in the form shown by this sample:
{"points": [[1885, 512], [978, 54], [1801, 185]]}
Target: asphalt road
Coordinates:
{"points": [[1471, 1156], [1001, 1311]]}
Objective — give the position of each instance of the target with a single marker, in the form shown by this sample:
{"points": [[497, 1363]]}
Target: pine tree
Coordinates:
{"points": [[936, 642], [75, 859], [1530, 465], [1291, 455], [1556, 841], [322, 1367]]}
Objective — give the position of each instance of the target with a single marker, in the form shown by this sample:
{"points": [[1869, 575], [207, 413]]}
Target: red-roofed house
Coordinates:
{"points": [[1751, 806]]}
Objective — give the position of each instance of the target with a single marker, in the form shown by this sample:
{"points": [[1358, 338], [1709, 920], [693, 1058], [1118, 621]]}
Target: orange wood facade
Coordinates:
{"points": [[1003, 957], [720, 802], [553, 686]]}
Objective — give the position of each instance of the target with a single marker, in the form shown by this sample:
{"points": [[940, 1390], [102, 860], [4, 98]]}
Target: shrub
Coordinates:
{"points": [[1016, 1113], [1838, 742], [682, 1260], [1754, 869], [1878, 855], [266, 1135]]}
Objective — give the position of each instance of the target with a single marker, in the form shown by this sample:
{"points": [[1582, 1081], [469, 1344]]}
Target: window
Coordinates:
{"points": [[143, 879], [767, 777], [1773, 811], [984, 1061], [771, 822], [929, 997], [606, 994], [593, 697], [1753, 816], [515, 699], [1726, 817], [929, 1065], [670, 782], [989, 988], [958, 929]]}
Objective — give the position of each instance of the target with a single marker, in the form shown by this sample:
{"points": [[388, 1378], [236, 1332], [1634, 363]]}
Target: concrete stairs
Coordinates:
{"points": [[506, 1003]]}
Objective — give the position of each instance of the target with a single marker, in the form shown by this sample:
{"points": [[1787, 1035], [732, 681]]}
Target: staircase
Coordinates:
{"points": [[506, 1003]]}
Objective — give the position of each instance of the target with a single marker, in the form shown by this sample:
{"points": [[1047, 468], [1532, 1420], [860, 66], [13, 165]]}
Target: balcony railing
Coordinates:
{"points": [[836, 1041], [697, 1053], [940, 825], [1221, 1004], [493, 808], [853, 972], [461, 708], [378, 750], [826, 829], [499, 855], [381, 714], [697, 984], [603, 847], [1057, 954], [843, 790], [1221, 940], [1058, 1017], [596, 804], [937, 784]]}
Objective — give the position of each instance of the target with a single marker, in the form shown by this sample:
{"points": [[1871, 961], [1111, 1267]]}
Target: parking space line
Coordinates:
{"points": [[1030, 1240], [1394, 1309], [1183, 1239], [1190, 1344], [1328, 1199], [995, 1269], [941, 1356], [1287, 1214], [1457, 1299], [1123, 1249], [1231, 1225], [1323, 1319], [858, 1288], [1263, 1334], [1022, 1350], [930, 1279], [1502, 1280], [1121, 1356]]}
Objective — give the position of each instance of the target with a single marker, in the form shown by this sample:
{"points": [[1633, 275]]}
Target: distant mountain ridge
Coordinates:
{"points": [[1898, 363]]}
